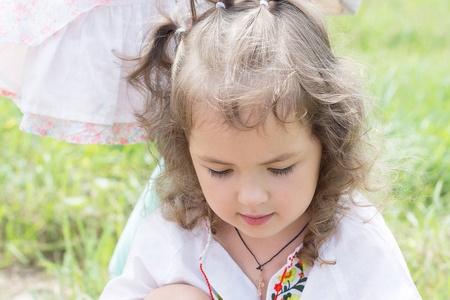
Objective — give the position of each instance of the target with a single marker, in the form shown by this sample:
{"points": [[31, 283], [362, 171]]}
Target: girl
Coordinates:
{"points": [[148, 202], [261, 129]]}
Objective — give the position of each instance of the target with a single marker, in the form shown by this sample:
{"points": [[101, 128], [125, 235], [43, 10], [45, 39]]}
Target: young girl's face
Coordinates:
{"points": [[259, 181]]}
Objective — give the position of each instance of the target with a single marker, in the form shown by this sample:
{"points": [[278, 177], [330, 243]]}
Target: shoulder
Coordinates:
{"points": [[159, 239], [368, 260], [157, 229], [162, 253], [362, 227]]}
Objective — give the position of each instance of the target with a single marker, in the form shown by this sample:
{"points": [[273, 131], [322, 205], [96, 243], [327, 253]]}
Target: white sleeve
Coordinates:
{"points": [[136, 281], [162, 253], [146, 264], [369, 263]]}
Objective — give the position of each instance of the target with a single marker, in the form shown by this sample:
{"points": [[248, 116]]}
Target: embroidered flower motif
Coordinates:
{"points": [[277, 287], [302, 268], [292, 297], [290, 287], [289, 277]]}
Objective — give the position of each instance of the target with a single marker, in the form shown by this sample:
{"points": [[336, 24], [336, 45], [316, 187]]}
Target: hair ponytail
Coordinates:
{"points": [[153, 73]]}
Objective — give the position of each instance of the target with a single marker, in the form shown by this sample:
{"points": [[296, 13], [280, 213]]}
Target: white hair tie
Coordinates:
{"points": [[264, 2], [179, 31], [220, 5]]}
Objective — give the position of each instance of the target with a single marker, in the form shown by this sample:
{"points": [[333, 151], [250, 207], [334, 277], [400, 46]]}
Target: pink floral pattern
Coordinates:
{"points": [[5, 92], [32, 21], [83, 133]]}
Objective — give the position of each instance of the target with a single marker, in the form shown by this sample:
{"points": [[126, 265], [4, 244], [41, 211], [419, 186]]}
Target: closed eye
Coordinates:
{"points": [[219, 174], [281, 172]]}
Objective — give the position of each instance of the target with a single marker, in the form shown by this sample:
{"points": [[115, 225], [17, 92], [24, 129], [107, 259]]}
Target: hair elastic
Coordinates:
{"points": [[220, 4], [179, 31], [264, 2]]}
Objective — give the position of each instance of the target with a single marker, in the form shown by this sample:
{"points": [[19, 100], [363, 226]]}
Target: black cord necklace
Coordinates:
{"points": [[260, 266]]}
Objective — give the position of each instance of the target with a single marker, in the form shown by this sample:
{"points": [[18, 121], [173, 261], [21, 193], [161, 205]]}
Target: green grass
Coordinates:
{"points": [[405, 45], [63, 206]]}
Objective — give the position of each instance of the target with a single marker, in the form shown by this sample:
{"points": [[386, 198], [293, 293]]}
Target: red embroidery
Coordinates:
{"points": [[207, 281], [278, 286], [291, 259], [206, 222]]}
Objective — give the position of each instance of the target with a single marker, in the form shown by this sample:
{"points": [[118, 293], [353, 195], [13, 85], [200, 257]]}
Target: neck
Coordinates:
{"points": [[280, 239], [263, 247], [261, 264]]}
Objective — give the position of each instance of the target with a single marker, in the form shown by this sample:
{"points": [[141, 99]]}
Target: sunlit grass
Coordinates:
{"points": [[63, 206], [405, 45]]}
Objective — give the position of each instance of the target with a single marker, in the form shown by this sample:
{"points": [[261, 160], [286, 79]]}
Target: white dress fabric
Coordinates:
{"points": [[369, 264], [74, 75], [31, 22], [72, 85]]}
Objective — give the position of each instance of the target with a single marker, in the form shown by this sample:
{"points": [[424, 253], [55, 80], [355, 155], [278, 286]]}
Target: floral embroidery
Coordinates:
{"points": [[290, 276], [300, 265], [83, 133], [290, 286], [291, 297], [277, 287]]}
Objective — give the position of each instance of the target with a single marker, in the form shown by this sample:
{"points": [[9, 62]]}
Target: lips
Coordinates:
{"points": [[256, 220]]}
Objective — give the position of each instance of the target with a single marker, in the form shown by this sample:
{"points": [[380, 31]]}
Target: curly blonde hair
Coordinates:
{"points": [[274, 60]]}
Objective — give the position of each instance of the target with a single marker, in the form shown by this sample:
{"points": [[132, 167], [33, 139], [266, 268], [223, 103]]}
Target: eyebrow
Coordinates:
{"points": [[281, 157]]}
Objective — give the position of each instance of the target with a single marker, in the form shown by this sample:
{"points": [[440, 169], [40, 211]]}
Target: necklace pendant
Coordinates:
{"points": [[260, 283]]}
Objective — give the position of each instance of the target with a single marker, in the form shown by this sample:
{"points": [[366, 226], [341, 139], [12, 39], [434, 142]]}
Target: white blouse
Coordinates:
{"points": [[369, 264]]}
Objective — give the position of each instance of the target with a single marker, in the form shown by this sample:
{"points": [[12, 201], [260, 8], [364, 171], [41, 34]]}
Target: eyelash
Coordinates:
{"points": [[278, 172], [282, 172], [219, 174]]}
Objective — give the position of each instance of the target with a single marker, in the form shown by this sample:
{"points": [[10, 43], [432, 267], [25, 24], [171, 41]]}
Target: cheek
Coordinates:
{"points": [[203, 179], [289, 191], [219, 199], [300, 187], [215, 190]]}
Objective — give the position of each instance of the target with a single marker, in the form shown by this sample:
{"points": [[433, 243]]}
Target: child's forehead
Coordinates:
{"points": [[211, 120], [212, 138]]}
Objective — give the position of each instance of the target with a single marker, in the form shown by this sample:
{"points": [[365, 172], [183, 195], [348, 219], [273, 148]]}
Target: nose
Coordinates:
{"points": [[252, 193]]}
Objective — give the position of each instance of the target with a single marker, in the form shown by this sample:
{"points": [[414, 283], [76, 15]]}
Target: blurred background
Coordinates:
{"points": [[63, 206]]}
